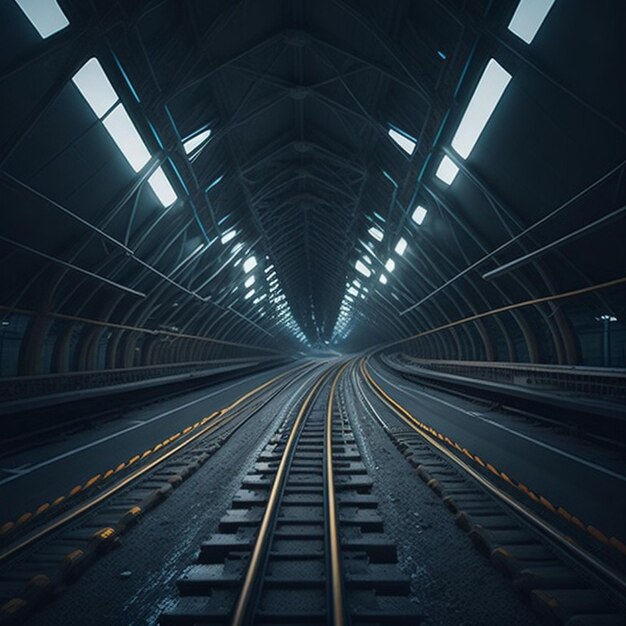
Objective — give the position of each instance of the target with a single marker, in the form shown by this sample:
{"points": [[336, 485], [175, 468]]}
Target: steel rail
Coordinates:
{"points": [[245, 605], [335, 584]]}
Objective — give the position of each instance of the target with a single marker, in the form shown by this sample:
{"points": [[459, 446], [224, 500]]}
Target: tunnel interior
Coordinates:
{"points": [[266, 263]]}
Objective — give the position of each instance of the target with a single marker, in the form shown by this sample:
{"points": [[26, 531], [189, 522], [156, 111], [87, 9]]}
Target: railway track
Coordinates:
{"points": [[303, 542], [47, 549], [567, 572]]}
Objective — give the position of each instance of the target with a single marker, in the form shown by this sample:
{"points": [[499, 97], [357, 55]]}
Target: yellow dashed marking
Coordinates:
{"points": [[599, 535], [42, 508], [13, 606], [22, 519], [92, 481], [618, 545], [75, 490]]}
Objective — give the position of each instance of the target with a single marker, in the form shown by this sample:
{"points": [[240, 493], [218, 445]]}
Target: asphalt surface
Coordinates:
{"points": [[585, 478], [33, 477]]}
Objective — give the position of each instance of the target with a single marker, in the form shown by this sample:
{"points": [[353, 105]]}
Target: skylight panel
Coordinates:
{"points": [[482, 104], [191, 144], [400, 246], [162, 187], [95, 87], [249, 264], [529, 17], [125, 135], [419, 214], [249, 294], [447, 170], [376, 233], [363, 269], [45, 15], [408, 145], [249, 282], [228, 236], [383, 279], [390, 265]]}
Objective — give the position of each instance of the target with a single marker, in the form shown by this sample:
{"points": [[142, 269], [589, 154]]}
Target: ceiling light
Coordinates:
{"points": [[482, 104], [376, 233], [363, 269], [162, 187], [228, 236], [125, 135], [45, 15], [447, 171], [390, 265], [191, 144], [95, 87], [400, 246], [249, 264], [383, 279], [529, 17], [407, 144], [419, 214]]}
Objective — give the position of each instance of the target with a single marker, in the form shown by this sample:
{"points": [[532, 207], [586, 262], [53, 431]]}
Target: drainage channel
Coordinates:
{"points": [[303, 542]]}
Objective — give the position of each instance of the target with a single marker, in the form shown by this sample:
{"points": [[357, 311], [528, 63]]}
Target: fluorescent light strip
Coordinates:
{"points": [[447, 170], [376, 233], [529, 17], [482, 104], [191, 144], [249, 264], [400, 246], [125, 135], [45, 15], [419, 214], [95, 87], [408, 145], [363, 269], [227, 236], [162, 187]]}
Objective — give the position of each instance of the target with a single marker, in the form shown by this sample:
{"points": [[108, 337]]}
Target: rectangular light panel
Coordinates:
{"points": [[529, 17], [45, 15], [95, 87], [162, 188], [482, 104], [447, 171], [125, 135]]}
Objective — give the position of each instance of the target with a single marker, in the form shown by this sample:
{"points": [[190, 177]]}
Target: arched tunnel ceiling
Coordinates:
{"points": [[299, 97]]}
